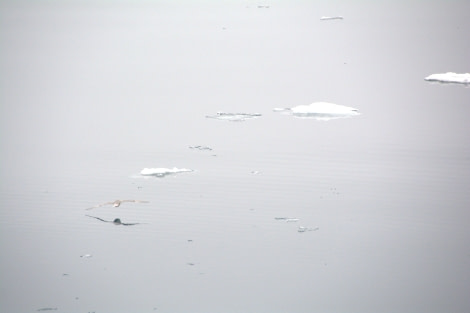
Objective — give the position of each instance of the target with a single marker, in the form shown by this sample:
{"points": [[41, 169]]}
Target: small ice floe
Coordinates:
{"points": [[86, 256], [287, 219], [329, 18], [263, 6], [302, 229], [292, 220], [162, 171], [320, 111], [234, 117], [255, 172], [450, 77], [46, 309], [202, 148]]}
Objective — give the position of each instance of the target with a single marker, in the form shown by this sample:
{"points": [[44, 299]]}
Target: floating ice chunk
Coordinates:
{"points": [[86, 256], [450, 77], [292, 220], [162, 172], [200, 148], [234, 117], [319, 110], [302, 229], [329, 18], [287, 219]]}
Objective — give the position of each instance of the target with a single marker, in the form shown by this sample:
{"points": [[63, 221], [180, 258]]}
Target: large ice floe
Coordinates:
{"points": [[449, 77], [162, 171], [320, 111], [234, 117]]}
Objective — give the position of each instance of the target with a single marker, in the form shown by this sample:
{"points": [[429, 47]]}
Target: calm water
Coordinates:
{"points": [[92, 93]]}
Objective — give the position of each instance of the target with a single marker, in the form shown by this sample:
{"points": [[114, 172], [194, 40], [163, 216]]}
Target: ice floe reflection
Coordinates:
{"points": [[450, 77], [234, 117], [162, 171], [320, 111]]}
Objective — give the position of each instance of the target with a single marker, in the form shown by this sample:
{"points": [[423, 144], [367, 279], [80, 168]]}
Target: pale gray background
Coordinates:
{"points": [[92, 92]]}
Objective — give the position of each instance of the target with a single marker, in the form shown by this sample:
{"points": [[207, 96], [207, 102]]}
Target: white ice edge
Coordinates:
{"points": [[450, 77]]}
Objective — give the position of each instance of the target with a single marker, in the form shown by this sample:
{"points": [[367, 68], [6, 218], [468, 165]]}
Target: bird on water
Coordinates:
{"points": [[116, 221], [116, 203]]}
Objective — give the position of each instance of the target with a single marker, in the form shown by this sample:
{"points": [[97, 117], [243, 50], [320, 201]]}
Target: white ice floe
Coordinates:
{"points": [[201, 148], [328, 18], [162, 172], [450, 77], [302, 229], [234, 117], [287, 219], [292, 220], [319, 110]]}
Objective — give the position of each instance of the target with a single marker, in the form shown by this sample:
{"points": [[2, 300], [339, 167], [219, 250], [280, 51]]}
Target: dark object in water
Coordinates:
{"points": [[116, 221]]}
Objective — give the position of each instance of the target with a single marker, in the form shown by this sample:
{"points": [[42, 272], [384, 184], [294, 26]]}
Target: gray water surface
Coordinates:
{"points": [[91, 93]]}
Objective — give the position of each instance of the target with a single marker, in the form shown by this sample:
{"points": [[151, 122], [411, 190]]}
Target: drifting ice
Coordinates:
{"points": [[320, 111], [450, 77], [302, 229], [161, 171], [326, 18], [234, 117]]}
